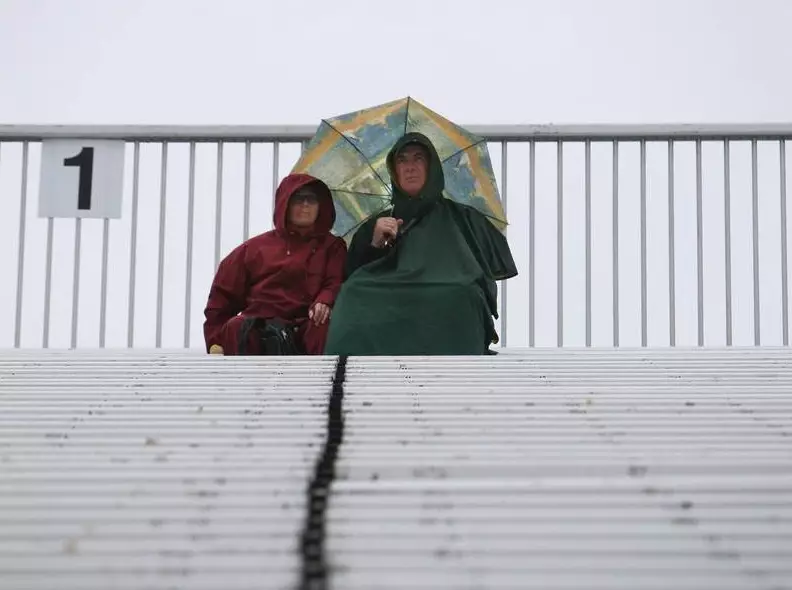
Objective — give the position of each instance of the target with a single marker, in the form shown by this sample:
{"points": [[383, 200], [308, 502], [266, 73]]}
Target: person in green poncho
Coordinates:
{"points": [[420, 280]]}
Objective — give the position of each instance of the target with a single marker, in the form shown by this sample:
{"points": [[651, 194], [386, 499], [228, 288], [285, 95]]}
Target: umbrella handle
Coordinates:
{"points": [[401, 233]]}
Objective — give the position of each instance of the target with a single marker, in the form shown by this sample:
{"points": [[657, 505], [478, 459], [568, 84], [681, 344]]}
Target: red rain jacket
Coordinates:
{"points": [[279, 273]]}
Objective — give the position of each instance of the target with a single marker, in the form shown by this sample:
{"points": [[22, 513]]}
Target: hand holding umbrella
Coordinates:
{"points": [[385, 230]]}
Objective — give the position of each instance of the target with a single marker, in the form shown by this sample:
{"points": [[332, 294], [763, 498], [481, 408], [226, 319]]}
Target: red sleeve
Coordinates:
{"points": [[227, 295], [334, 273]]}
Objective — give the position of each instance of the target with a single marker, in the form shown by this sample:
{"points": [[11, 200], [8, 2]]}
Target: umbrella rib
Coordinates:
{"points": [[359, 224], [342, 190], [357, 149], [406, 115], [449, 192], [464, 149]]}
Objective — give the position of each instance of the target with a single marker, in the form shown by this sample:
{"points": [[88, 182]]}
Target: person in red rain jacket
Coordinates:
{"points": [[292, 272]]}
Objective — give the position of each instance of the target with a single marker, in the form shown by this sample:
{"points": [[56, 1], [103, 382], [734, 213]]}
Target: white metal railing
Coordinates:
{"points": [[699, 197]]}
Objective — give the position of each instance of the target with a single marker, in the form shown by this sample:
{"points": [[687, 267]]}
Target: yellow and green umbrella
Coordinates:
{"points": [[348, 153]]}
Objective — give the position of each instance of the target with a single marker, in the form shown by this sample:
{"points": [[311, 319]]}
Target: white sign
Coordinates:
{"points": [[81, 178]]}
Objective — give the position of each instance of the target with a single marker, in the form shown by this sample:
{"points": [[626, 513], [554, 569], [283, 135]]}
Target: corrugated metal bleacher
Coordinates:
{"points": [[618, 469]]}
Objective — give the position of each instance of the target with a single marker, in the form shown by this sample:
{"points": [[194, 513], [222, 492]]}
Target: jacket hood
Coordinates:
{"points": [[435, 180], [290, 185], [407, 207]]}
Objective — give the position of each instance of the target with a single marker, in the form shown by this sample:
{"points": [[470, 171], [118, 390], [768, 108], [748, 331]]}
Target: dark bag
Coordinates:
{"points": [[276, 337]]}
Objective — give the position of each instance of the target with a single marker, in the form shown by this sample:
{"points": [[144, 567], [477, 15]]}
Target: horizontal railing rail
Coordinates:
{"points": [[494, 133]]}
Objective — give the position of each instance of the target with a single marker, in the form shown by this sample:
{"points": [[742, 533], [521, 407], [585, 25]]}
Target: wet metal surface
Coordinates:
{"points": [[531, 469]]}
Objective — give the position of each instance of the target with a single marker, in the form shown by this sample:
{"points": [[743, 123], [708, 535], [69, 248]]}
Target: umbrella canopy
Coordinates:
{"points": [[348, 153]]}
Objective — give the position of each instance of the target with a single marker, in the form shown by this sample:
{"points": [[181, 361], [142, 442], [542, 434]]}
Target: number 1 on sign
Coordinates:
{"points": [[84, 161]]}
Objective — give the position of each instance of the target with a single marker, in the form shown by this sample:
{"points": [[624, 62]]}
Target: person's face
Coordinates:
{"points": [[412, 166], [303, 207]]}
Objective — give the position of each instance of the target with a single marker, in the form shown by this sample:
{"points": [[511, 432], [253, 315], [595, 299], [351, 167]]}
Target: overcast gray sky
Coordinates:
{"points": [[501, 61], [261, 62]]}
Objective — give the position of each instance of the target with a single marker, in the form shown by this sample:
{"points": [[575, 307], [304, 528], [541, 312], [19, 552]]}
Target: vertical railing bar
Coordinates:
{"points": [[21, 253], [103, 303], [755, 248], [190, 219], [504, 192], [48, 282], [161, 253], [727, 236], [784, 262], [76, 281], [531, 245], [246, 215], [588, 242], [644, 270], [699, 246], [275, 169], [133, 246], [644, 310], [615, 228], [218, 204], [671, 247], [560, 244]]}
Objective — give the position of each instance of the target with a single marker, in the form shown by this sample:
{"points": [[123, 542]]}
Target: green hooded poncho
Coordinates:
{"points": [[434, 291]]}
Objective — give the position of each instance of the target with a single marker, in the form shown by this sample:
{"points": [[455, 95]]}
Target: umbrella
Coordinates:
{"points": [[348, 153]]}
